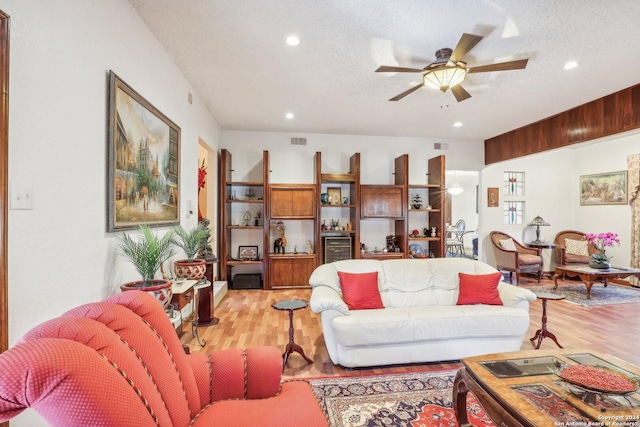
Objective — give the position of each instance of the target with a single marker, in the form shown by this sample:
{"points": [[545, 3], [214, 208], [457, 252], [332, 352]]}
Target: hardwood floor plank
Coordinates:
{"points": [[247, 319]]}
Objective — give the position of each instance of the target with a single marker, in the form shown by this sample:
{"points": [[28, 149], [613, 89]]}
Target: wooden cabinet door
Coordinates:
{"points": [[292, 202], [382, 201], [290, 271]]}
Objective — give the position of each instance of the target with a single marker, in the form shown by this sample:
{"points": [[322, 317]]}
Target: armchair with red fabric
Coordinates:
{"points": [[119, 362]]}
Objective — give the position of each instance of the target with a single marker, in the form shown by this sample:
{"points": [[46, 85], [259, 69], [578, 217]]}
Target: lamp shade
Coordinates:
{"points": [[538, 221]]}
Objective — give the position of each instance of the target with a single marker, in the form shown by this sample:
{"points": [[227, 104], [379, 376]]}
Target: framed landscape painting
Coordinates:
{"points": [[604, 189], [144, 161]]}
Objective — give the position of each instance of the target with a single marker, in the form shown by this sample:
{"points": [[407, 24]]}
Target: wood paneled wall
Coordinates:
{"points": [[615, 113]]}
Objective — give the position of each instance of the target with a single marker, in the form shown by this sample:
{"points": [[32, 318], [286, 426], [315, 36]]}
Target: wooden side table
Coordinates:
{"points": [[547, 253], [543, 331], [291, 305]]}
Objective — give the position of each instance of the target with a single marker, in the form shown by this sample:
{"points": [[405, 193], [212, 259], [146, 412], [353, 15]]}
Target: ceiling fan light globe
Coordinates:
{"points": [[444, 78], [455, 189]]}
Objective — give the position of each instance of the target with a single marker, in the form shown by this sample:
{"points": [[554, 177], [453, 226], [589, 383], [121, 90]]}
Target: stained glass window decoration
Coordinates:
{"points": [[513, 213], [514, 183]]}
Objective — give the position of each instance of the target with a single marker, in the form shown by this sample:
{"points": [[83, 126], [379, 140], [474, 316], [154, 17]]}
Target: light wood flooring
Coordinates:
{"points": [[247, 319]]}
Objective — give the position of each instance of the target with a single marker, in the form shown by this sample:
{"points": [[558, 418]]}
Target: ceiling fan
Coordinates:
{"points": [[448, 71]]}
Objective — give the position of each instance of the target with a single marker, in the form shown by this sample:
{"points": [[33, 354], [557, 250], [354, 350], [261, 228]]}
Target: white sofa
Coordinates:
{"points": [[421, 321]]}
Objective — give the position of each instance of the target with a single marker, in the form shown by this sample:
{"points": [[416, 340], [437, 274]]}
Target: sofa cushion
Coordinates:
{"points": [[411, 324], [479, 289], [569, 258], [360, 290], [529, 259], [508, 244], [576, 247]]}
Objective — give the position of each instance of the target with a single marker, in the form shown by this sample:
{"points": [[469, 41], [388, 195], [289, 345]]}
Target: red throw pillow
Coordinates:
{"points": [[479, 289], [360, 290]]}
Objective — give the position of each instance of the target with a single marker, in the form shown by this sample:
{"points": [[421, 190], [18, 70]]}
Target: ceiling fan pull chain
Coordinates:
{"points": [[443, 103]]}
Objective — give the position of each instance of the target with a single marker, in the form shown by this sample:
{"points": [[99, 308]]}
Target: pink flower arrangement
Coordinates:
{"points": [[602, 240]]}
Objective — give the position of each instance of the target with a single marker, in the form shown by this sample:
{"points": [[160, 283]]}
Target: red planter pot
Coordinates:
{"points": [[160, 289], [184, 269]]}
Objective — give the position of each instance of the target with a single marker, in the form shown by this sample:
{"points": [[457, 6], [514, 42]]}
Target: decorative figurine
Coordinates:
{"points": [[392, 243], [246, 217], [416, 201], [309, 247], [433, 232], [280, 242]]}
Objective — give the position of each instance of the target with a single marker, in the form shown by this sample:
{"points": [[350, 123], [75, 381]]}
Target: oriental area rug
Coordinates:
{"points": [[577, 293], [415, 399]]}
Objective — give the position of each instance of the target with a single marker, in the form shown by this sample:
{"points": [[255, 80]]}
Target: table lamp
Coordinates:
{"points": [[538, 222]]}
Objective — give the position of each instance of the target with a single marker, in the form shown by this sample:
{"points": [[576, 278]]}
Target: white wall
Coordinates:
{"points": [[60, 254], [552, 191]]}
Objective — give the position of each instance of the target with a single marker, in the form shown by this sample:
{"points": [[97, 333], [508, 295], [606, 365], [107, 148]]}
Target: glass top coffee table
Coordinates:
{"points": [[589, 275], [523, 388]]}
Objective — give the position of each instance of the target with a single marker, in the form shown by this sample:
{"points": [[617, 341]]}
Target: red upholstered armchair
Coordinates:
{"points": [[119, 362]]}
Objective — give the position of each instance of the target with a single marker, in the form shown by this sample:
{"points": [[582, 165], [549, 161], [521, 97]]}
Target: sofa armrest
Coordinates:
{"points": [[513, 295], [254, 373], [325, 298]]}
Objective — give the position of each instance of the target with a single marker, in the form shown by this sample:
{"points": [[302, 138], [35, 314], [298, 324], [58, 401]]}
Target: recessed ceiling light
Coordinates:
{"points": [[293, 41], [289, 116], [457, 124], [570, 65]]}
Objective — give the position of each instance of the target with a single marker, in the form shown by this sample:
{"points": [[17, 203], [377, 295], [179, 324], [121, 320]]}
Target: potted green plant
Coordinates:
{"points": [[191, 242], [147, 255]]}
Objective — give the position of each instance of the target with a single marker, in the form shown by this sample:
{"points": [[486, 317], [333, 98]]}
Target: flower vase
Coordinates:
{"points": [[600, 261], [602, 265]]}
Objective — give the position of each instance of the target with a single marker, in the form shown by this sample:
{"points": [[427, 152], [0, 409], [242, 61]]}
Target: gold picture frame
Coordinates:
{"points": [[334, 195], [493, 197], [604, 188], [143, 162]]}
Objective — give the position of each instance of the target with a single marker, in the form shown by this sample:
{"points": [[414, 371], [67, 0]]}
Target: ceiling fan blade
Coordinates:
{"points": [[501, 66], [460, 94], [466, 43], [389, 69], [406, 92]]}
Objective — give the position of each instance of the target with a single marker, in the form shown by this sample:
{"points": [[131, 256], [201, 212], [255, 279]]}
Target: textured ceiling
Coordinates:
{"points": [[234, 54]]}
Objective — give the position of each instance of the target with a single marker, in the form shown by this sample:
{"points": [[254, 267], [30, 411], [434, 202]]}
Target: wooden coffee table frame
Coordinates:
{"points": [[589, 275], [506, 407]]}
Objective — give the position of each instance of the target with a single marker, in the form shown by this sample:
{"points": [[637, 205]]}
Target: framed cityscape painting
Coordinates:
{"points": [[604, 189], [144, 161]]}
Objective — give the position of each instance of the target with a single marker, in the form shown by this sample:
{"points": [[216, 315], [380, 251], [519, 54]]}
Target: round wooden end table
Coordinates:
{"points": [[543, 331], [291, 305]]}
